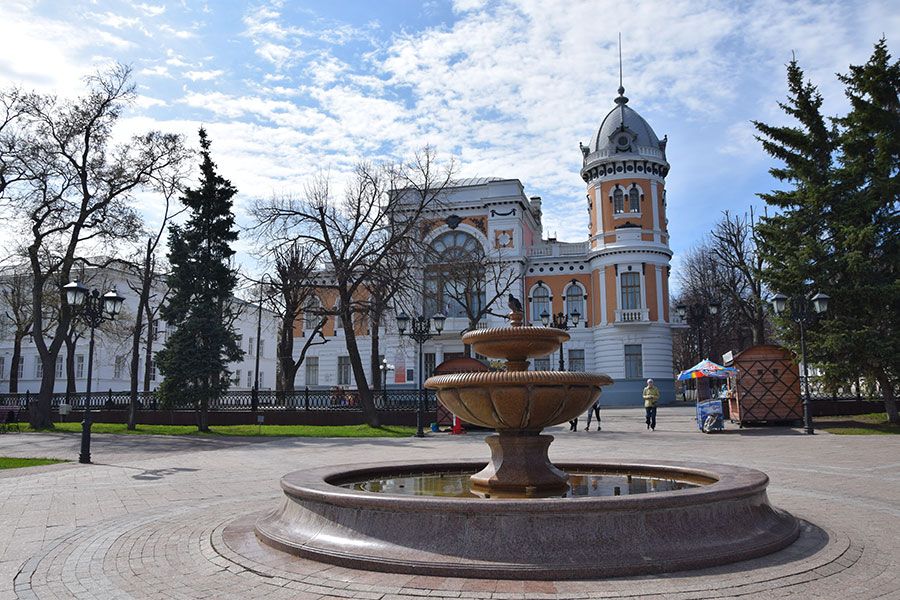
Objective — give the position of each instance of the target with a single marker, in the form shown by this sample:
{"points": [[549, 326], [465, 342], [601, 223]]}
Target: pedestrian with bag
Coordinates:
{"points": [[651, 398]]}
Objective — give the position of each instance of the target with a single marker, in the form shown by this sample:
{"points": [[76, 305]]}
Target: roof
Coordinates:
{"points": [[468, 181], [637, 132]]}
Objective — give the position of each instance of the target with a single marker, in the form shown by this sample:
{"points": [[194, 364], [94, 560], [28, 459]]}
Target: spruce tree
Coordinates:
{"points": [[862, 335], [836, 224], [194, 361]]}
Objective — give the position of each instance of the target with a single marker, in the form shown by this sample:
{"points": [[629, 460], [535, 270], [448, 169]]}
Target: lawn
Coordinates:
{"points": [[333, 431], [7, 462], [870, 424]]}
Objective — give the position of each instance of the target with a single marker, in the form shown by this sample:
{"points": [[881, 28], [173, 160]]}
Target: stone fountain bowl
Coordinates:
{"points": [[515, 343], [518, 400]]}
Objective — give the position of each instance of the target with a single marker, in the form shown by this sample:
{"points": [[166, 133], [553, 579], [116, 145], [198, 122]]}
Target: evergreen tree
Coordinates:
{"points": [[862, 337], [836, 225], [195, 357]]}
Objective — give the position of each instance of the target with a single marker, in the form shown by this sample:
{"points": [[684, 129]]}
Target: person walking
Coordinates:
{"points": [[651, 397], [573, 424], [593, 410]]}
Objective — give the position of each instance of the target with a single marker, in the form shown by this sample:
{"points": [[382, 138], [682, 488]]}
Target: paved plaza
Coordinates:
{"points": [[171, 517]]}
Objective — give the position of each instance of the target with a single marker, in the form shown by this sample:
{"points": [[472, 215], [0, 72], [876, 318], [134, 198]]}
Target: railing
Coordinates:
{"points": [[635, 315], [559, 249], [303, 399]]}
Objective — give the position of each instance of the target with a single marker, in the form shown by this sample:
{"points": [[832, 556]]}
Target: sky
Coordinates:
{"points": [[509, 88]]}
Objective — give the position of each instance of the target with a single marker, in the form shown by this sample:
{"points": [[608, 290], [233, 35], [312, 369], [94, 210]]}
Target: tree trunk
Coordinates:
{"points": [[14, 366], [143, 300], [148, 351], [203, 413], [375, 364], [366, 400], [890, 402]]}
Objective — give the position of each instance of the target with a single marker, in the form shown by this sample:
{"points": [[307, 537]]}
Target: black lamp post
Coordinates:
{"points": [[93, 309], [800, 313], [695, 314], [421, 333], [560, 321], [385, 367]]}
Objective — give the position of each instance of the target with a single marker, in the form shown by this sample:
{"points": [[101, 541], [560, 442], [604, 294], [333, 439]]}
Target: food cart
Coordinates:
{"points": [[709, 410]]}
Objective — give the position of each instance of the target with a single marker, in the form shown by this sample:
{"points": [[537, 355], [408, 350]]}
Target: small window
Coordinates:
{"points": [[542, 364], [59, 366], [79, 366], [343, 373], [312, 370], [618, 201], [410, 374], [634, 364], [634, 200]]}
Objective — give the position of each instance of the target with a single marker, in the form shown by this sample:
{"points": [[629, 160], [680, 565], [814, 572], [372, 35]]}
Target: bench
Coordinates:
{"points": [[9, 417]]}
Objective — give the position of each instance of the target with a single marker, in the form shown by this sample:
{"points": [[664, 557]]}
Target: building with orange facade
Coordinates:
{"points": [[617, 280]]}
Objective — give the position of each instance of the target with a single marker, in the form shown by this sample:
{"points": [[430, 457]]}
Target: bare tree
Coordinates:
{"points": [[734, 245], [292, 292], [378, 213], [73, 191], [16, 298], [168, 184]]}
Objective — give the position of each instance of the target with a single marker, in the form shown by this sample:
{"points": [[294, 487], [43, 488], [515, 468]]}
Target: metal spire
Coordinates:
{"points": [[621, 100]]}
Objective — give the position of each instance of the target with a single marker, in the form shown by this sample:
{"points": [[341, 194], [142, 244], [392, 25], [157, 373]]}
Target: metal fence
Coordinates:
{"points": [[305, 399]]}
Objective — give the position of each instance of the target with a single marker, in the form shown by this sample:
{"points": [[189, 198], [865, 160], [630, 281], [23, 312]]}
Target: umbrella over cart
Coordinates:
{"points": [[709, 411]]}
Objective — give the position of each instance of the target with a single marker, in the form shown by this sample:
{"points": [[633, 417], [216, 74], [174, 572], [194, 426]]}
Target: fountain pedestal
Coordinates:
{"points": [[519, 464]]}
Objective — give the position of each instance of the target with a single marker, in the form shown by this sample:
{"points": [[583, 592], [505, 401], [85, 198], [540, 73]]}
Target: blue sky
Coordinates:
{"points": [[507, 87]]}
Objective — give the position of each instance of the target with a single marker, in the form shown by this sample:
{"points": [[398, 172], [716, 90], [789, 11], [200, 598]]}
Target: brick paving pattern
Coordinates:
{"points": [[172, 517]]}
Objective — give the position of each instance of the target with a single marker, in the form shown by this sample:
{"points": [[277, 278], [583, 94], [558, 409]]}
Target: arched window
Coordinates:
{"points": [[634, 200], [454, 276], [618, 201], [540, 303], [575, 301]]}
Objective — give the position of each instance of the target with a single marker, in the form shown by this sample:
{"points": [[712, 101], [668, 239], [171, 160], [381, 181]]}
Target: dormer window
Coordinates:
{"points": [[618, 201]]}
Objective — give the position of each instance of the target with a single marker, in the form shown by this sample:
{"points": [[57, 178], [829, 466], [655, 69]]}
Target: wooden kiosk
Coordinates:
{"points": [[766, 388]]}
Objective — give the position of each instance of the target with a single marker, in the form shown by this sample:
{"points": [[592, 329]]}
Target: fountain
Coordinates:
{"points": [[519, 515]]}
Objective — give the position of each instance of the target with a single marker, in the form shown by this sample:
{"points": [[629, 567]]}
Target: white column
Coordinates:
{"points": [[602, 285]]}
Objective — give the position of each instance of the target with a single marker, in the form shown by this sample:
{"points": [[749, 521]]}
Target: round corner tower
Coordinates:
{"points": [[625, 168]]}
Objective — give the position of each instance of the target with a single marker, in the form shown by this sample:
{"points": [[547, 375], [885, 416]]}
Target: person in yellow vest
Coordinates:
{"points": [[651, 397]]}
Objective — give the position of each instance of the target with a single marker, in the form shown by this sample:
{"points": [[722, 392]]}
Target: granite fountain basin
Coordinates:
{"points": [[723, 516]]}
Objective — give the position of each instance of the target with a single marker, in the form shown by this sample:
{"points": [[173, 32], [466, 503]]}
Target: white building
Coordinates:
{"points": [[617, 279], [113, 342]]}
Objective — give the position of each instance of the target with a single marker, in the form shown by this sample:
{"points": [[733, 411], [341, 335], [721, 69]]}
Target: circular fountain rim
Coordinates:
{"points": [[531, 332], [727, 482]]}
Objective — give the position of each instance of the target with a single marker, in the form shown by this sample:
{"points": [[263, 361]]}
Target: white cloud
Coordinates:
{"points": [[181, 34], [204, 75], [151, 10], [276, 54], [157, 71], [115, 21]]}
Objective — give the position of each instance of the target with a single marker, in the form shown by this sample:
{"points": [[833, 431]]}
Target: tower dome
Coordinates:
{"points": [[624, 139]]}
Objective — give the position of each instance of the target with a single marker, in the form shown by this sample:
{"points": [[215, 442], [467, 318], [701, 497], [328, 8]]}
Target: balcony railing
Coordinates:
{"points": [[633, 315]]}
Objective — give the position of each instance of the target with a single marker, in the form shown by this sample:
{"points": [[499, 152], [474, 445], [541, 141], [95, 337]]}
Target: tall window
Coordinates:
{"points": [[38, 368], [152, 368], [249, 379], [430, 363], [262, 348], [343, 373], [79, 366], [59, 366], [2, 367], [618, 201], [542, 364], [575, 300], [251, 346], [20, 368], [312, 370], [634, 364], [119, 367], [310, 313], [540, 303], [454, 275], [576, 359], [631, 290], [634, 200]]}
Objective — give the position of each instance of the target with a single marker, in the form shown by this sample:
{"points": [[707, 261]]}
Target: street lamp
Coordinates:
{"points": [[801, 314], [421, 333], [93, 309], [695, 314], [561, 321], [385, 367]]}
